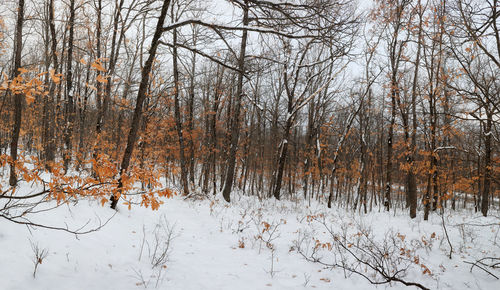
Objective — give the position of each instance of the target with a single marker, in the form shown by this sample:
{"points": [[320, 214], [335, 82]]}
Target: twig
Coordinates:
{"points": [[475, 264]]}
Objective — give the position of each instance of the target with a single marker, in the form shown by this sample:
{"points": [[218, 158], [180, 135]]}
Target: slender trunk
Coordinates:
{"points": [[283, 156], [390, 140], [18, 98], [205, 173], [98, 83], [115, 48], [177, 113], [427, 198], [70, 108], [141, 96], [235, 131], [363, 182], [190, 120], [487, 165], [213, 131], [83, 111], [51, 111], [411, 181]]}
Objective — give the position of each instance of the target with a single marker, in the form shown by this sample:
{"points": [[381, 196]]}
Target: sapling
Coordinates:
{"points": [[39, 255]]}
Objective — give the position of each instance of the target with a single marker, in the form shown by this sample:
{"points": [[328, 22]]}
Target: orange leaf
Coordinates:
{"points": [[22, 70], [29, 99], [102, 79], [98, 66], [54, 77]]}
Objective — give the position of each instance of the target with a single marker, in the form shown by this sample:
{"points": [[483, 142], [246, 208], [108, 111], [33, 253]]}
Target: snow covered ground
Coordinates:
{"points": [[248, 244]]}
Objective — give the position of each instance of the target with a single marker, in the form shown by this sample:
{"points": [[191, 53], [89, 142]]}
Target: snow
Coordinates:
{"points": [[217, 246], [445, 148]]}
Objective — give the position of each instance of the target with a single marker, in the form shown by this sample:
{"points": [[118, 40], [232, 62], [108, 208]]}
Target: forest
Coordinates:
{"points": [[367, 119]]}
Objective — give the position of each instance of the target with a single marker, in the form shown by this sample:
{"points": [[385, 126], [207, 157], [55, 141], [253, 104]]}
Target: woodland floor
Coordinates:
{"points": [[217, 246]]}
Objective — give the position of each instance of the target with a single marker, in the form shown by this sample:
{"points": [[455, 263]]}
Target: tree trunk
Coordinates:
{"points": [[411, 181], [70, 110], [235, 130], [283, 156], [115, 49], [178, 123], [141, 96], [390, 140], [190, 120], [18, 98], [487, 166]]}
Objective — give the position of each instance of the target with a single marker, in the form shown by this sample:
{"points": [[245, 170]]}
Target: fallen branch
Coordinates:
{"points": [[479, 264]]}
